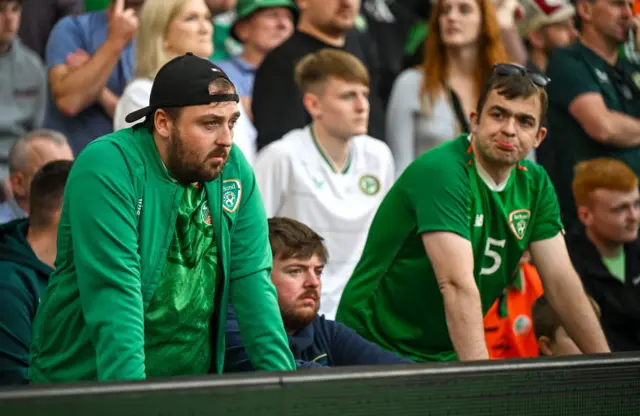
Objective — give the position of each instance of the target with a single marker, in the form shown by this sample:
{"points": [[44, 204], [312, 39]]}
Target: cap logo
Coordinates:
{"points": [[215, 69]]}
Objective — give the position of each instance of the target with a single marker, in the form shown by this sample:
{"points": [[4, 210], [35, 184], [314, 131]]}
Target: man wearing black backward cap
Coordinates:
{"points": [[161, 223]]}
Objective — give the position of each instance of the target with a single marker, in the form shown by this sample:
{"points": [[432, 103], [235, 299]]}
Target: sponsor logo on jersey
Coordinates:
{"points": [[369, 184], [518, 221], [231, 195], [205, 214], [522, 325], [479, 220]]}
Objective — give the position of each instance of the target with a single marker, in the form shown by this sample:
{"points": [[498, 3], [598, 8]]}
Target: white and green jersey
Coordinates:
{"points": [[393, 297], [297, 180]]}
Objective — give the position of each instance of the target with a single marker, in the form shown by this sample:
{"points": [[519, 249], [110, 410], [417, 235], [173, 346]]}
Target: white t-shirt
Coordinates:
{"points": [[136, 96], [297, 181]]}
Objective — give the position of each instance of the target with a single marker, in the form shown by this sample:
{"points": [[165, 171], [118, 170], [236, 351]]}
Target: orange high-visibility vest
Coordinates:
{"points": [[512, 335]]}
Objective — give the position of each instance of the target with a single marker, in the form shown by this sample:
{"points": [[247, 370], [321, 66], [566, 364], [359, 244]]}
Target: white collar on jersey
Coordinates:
{"points": [[487, 179]]}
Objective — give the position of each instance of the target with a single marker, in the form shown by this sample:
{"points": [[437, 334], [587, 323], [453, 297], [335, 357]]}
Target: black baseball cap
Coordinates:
{"points": [[182, 82]]}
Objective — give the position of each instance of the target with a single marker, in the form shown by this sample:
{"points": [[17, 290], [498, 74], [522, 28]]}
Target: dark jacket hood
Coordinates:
{"points": [[15, 248]]}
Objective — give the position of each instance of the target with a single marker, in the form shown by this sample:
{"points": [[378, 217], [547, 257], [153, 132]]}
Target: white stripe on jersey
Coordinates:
{"points": [[297, 182]]}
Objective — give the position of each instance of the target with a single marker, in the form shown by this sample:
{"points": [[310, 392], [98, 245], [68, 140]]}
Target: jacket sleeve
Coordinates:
{"points": [[253, 295], [101, 202], [349, 348], [16, 314]]}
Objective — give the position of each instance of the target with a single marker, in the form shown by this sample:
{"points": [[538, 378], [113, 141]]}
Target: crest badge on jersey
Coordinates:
{"points": [[231, 195], [522, 325], [369, 184], [518, 221]]}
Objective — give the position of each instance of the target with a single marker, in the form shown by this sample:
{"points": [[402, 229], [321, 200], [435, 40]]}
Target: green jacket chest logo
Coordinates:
{"points": [[518, 222], [231, 194]]}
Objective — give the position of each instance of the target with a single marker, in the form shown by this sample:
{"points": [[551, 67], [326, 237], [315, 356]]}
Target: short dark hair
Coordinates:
{"points": [[292, 239], [546, 320], [47, 190], [517, 85]]}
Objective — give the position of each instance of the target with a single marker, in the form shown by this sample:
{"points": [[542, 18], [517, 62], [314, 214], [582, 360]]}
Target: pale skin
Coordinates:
{"points": [[339, 110], [82, 80], [298, 282], [504, 134], [605, 28]]}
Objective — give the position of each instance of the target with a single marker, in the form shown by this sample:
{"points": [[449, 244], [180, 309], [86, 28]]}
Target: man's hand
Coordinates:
{"points": [[507, 12], [76, 59], [123, 24]]}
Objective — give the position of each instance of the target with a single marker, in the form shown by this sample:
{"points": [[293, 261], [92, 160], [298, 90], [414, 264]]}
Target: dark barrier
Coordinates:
{"points": [[579, 386]]}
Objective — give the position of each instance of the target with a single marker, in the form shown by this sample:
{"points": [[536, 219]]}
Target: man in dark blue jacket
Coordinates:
{"points": [[299, 256]]}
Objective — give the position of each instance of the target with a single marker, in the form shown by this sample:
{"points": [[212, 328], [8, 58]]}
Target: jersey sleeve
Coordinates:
{"points": [[547, 223], [570, 78], [438, 190]]}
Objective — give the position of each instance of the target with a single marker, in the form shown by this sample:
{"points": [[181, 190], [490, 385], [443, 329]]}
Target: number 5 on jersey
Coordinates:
{"points": [[490, 251]]}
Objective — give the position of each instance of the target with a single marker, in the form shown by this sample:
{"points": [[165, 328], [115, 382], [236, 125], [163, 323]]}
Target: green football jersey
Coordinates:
{"points": [[393, 298]]}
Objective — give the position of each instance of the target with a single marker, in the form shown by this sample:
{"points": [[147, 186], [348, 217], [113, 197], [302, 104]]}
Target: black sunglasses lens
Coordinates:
{"points": [[509, 69], [505, 69], [539, 79]]}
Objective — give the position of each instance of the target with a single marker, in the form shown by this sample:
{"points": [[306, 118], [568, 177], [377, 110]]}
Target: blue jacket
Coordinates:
{"points": [[324, 343]]}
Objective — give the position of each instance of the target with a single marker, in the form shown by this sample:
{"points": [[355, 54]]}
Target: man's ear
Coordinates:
{"points": [[312, 105], [163, 123], [18, 185], [542, 133], [544, 345]]}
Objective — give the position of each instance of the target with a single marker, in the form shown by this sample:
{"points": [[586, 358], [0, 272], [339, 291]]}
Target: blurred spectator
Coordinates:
{"points": [[27, 253], [390, 27], [299, 258], [27, 156], [547, 26], [39, 17], [321, 24], [90, 60], [431, 104], [23, 85], [168, 29], [594, 98], [160, 225], [508, 324], [606, 253], [553, 339], [630, 50], [329, 174], [261, 26], [223, 16]]}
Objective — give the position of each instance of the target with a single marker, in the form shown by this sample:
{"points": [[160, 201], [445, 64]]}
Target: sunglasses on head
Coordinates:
{"points": [[537, 78]]}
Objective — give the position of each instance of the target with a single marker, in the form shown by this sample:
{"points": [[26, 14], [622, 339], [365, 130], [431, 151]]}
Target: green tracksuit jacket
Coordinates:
{"points": [[118, 218]]}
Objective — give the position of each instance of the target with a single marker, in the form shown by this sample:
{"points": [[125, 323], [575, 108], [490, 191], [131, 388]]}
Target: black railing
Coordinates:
{"points": [[576, 386]]}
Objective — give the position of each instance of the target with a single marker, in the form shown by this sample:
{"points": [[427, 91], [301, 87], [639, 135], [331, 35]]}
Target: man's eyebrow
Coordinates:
{"points": [[509, 112]]}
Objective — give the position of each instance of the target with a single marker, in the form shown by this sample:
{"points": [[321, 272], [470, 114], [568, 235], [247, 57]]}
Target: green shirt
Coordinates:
{"points": [[574, 71], [393, 297], [616, 266], [95, 5], [177, 322]]}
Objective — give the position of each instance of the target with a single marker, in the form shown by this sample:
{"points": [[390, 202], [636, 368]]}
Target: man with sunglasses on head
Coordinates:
{"points": [[448, 237]]}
